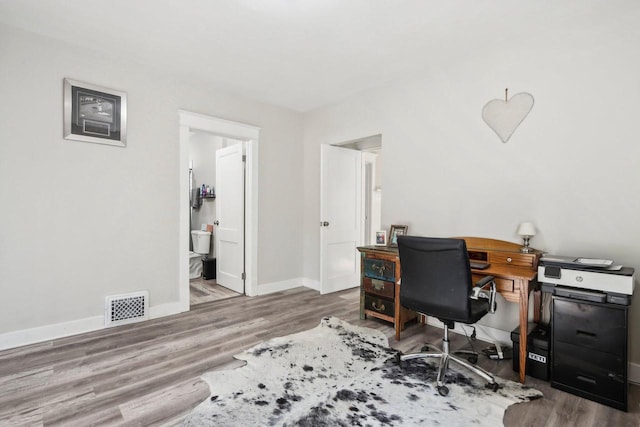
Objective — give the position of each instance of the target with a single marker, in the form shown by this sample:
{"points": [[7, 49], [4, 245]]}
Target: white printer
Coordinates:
{"points": [[589, 279]]}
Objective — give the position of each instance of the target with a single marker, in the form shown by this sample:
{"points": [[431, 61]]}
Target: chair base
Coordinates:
{"points": [[472, 356], [445, 357]]}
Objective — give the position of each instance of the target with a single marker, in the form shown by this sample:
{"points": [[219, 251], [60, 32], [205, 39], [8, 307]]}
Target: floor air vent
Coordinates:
{"points": [[126, 308]]}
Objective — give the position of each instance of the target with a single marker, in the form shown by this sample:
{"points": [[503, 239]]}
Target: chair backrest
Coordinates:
{"points": [[436, 277]]}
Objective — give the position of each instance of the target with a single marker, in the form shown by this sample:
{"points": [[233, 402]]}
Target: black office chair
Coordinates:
{"points": [[436, 281]]}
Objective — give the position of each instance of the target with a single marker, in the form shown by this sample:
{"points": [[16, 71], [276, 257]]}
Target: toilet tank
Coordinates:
{"points": [[201, 241]]}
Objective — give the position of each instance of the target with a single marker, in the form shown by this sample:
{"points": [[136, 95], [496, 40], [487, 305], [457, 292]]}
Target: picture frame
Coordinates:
{"points": [[381, 238], [394, 232], [94, 114]]}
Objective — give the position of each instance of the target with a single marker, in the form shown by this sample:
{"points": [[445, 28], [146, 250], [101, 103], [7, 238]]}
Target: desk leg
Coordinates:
{"points": [[362, 315], [537, 303], [524, 320], [397, 318]]}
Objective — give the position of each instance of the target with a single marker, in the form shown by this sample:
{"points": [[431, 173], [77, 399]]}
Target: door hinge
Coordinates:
{"points": [[244, 157], [244, 276]]}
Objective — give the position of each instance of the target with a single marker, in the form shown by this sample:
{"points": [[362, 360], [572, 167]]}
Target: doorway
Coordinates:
{"points": [[216, 186], [194, 122], [350, 208]]}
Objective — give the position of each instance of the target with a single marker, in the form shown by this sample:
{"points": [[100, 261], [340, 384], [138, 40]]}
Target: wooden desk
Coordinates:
{"points": [[515, 276]]}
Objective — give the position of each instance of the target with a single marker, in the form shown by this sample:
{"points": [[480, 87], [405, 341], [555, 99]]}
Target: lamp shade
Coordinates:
{"points": [[526, 229]]}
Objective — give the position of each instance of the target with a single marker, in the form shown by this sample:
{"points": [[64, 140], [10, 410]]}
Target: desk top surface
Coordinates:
{"points": [[473, 243], [379, 248], [479, 244]]}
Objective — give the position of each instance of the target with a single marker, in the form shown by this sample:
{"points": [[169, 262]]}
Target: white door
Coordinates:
{"points": [[229, 230], [340, 218]]}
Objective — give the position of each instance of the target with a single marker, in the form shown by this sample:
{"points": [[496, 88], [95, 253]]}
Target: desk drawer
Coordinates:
{"points": [[511, 258], [380, 305], [379, 287], [502, 285], [380, 269]]}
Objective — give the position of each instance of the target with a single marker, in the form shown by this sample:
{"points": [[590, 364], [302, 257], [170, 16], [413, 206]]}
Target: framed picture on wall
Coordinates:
{"points": [[396, 230], [94, 114], [381, 238]]}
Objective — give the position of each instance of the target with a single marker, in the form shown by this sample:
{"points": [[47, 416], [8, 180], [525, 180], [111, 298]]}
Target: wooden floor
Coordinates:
{"points": [[201, 291], [148, 373]]}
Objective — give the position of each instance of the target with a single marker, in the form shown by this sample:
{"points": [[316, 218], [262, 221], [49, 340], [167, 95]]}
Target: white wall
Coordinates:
{"points": [[572, 167], [202, 152], [80, 221]]}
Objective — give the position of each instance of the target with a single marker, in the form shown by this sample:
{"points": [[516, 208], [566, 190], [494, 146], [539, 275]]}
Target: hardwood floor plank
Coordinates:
{"points": [[143, 410], [24, 380], [149, 373], [202, 291]]}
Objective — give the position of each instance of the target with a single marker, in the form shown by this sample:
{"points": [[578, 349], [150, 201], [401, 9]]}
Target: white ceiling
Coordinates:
{"points": [[301, 54]]}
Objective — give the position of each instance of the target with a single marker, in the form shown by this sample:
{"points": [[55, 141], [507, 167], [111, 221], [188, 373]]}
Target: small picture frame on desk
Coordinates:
{"points": [[396, 230], [381, 238]]}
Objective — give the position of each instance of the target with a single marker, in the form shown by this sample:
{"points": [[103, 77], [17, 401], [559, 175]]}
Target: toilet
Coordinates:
{"points": [[201, 241], [195, 265], [201, 244]]}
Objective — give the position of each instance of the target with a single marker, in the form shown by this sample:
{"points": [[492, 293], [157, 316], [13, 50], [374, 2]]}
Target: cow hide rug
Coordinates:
{"points": [[338, 374]]}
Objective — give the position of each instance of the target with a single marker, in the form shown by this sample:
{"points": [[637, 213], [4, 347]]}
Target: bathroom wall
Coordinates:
{"points": [[202, 155], [376, 196]]}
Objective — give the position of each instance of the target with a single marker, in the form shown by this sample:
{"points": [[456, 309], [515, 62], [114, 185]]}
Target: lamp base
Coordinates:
{"points": [[525, 248]]}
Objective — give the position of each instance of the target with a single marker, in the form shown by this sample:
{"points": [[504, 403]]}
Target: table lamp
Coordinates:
{"points": [[527, 231]]}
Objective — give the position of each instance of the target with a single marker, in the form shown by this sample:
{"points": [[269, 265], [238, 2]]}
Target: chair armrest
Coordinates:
{"points": [[478, 291], [482, 282]]}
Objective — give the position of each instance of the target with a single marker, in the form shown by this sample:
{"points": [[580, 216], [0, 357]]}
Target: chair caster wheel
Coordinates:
{"points": [[473, 359], [493, 386], [443, 390], [425, 348]]}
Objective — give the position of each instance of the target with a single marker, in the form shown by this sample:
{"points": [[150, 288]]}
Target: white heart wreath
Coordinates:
{"points": [[504, 116]]}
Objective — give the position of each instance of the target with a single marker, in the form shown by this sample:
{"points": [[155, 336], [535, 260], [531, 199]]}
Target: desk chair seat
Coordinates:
{"points": [[436, 281]]}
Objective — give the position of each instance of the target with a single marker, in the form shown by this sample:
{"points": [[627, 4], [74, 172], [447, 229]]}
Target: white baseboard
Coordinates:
{"points": [[74, 327], [167, 309], [50, 332], [311, 284], [285, 285]]}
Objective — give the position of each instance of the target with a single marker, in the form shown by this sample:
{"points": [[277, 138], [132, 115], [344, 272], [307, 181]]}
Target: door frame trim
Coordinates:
{"points": [[190, 121]]}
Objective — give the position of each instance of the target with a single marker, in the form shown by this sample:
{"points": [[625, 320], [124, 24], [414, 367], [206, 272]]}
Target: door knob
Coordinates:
{"points": [[324, 224], [216, 222]]}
